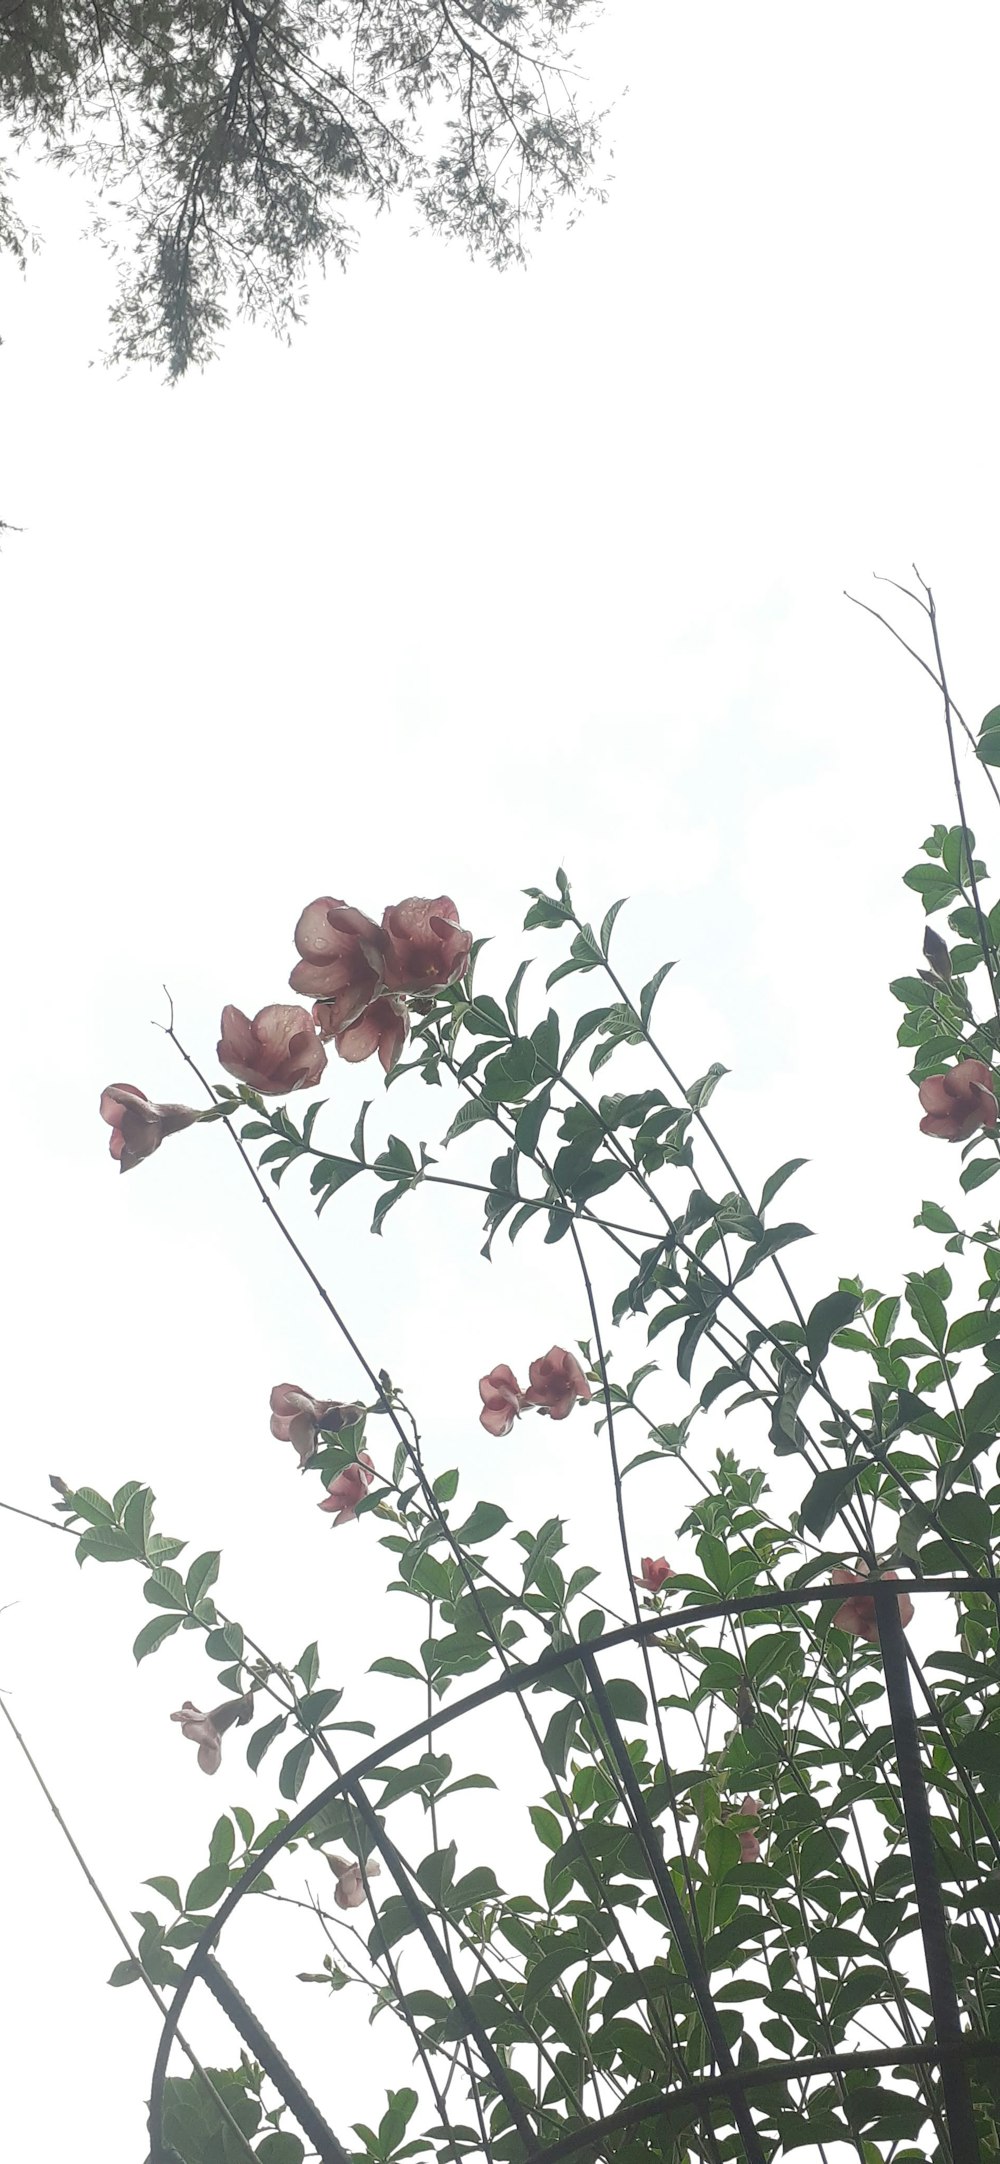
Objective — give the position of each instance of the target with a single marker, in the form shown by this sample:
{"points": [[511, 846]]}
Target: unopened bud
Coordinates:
{"points": [[61, 1486], [936, 953]]}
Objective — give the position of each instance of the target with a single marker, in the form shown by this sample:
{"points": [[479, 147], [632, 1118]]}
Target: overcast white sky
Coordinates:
{"points": [[481, 575]]}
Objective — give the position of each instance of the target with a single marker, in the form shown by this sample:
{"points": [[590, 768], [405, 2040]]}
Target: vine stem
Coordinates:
{"points": [[984, 937], [433, 1506], [120, 1933]]}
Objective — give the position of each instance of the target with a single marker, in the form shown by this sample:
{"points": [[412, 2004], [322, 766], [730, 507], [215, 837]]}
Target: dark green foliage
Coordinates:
{"points": [[239, 139]]}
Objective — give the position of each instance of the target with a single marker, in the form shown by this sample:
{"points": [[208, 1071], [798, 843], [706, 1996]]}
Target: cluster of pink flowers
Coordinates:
{"points": [[297, 1418], [359, 976], [557, 1382]]}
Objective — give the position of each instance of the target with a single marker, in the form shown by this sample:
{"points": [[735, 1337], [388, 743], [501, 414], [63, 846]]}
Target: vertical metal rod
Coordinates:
{"points": [[498, 2073], [962, 2131], [276, 2067], [682, 1934]]}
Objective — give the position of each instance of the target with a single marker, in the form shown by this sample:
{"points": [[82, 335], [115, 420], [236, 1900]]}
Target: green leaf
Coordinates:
{"points": [[164, 1588], [608, 925], [690, 1338], [222, 1844], [154, 1633], [955, 850], [545, 913], [700, 1091], [470, 1114], [528, 1125], [396, 1161], [935, 1219], [262, 1739], [513, 998], [307, 1669], [649, 991], [912, 991], [545, 1039], [169, 1888], [827, 1317], [358, 1137], [485, 1520], [388, 1664], [280, 2147], [294, 1766], [312, 1114], [88, 1504], [976, 1171], [317, 1706], [207, 1887], [509, 1077], [329, 1173], [479, 1884], [547, 1543], [437, 1872], [107, 1544], [722, 1850], [934, 886], [387, 1202], [136, 1514], [885, 1319], [967, 1517], [981, 1416], [124, 1972], [777, 1236], [826, 1497], [777, 1179], [979, 1328], [485, 1019], [628, 1702], [203, 1573], [585, 1028], [928, 1310]]}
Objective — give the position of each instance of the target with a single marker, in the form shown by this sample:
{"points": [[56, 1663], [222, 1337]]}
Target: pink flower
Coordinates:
{"points": [[340, 960], [556, 1383], [138, 1125], [422, 945], [502, 1398], [382, 1028], [654, 1571], [857, 1613], [208, 1729], [958, 1102], [345, 1493], [350, 1892], [296, 1418], [749, 1844], [278, 1050]]}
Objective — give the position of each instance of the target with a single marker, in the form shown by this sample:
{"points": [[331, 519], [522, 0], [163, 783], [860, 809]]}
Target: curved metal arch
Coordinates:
{"points": [[729, 2082]]}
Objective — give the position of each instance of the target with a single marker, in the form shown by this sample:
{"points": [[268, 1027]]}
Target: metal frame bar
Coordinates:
{"points": [[958, 2111], [275, 2065], [950, 2051]]}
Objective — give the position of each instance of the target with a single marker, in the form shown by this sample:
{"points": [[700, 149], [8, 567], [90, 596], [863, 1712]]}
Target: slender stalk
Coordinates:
{"points": [[121, 1935]]}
